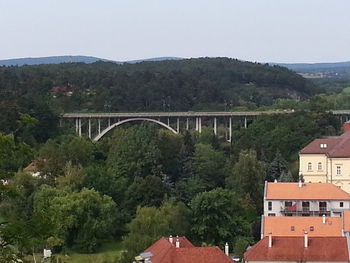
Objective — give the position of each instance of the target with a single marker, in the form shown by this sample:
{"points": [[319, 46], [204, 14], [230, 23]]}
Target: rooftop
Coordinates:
{"points": [[292, 249], [165, 251], [308, 191], [338, 146], [296, 226]]}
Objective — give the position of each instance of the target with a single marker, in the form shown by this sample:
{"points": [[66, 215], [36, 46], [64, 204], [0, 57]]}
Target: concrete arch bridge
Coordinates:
{"points": [[97, 125]]}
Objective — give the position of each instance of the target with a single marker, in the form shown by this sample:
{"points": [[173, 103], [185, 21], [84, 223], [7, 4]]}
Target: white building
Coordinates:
{"points": [[304, 199]]}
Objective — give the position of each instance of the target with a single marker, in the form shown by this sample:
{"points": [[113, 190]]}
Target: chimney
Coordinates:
{"points": [[177, 243], [227, 252], [171, 239], [300, 184], [346, 126], [270, 240], [306, 240], [323, 219]]}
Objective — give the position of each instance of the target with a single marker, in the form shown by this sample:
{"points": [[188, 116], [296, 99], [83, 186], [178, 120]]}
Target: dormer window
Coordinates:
{"points": [[309, 166], [323, 145]]}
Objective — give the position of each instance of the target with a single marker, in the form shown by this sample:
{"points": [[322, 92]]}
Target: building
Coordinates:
{"points": [[181, 250], [327, 160], [304, 199], [298, 249]]}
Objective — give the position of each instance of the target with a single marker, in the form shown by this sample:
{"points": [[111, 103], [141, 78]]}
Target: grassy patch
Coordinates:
{"points": [[108, 253], [346, 90]]}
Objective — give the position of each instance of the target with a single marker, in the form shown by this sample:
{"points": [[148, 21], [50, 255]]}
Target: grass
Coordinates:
{"points": [[346, 90], [107, 253]]}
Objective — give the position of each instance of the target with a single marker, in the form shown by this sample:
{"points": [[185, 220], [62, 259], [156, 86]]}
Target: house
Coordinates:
{"points": [[304, 199], [181, 250], [327, 160], [298, 249]]}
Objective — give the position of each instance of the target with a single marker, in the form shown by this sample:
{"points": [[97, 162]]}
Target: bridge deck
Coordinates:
{"points": [[188, 114]]}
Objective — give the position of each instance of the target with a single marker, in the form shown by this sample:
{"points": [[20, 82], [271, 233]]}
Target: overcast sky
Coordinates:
{"points": [[254, 30]]}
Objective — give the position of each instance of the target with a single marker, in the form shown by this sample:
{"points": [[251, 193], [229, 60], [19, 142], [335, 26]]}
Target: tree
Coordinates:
{"points": [[218, 216], [247, 177], [136, 154], [209, 165], [148, 191], [276, 168], [152, 223], [82, 219]]}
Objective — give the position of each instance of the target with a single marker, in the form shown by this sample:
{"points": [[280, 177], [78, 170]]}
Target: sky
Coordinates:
{"points": [[254, 30]]}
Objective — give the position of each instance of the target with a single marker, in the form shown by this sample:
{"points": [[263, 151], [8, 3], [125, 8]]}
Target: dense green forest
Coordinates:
{"points": [[142, 182]]}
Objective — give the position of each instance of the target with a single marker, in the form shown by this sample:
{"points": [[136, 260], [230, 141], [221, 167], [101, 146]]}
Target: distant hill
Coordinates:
{"points": [[71, 59], [320, 70]]}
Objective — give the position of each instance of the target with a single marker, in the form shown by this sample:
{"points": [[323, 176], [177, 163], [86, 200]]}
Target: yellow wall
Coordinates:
{"points": [[328, 172], [314, 175]]}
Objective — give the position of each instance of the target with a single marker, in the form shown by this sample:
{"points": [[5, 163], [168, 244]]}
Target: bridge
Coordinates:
{"points": [[97, 125]]}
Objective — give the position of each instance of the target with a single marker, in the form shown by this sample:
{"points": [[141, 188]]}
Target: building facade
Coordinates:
{"points": [[305, 199], [327, 160]]}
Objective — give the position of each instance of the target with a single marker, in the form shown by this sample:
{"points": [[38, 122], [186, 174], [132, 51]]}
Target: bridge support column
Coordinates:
{"points": [[79, 127], [197, 124], [99, 126], [200, 125], [245, 122], [178, 125], [230, 130], [168, 122], [187, 126], [215, 129], [90, 128], [109, 122]]}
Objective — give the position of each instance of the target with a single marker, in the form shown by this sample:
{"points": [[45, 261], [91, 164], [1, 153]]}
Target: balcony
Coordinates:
{"points": [[305, 212]]}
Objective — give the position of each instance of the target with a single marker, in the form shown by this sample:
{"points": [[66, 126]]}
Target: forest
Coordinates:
{"points": [[142, 182]]}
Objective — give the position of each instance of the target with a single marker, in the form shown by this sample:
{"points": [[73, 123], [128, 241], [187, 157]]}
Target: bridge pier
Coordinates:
{"points": [[215, 126], [90, 128], [79, 120], [230, 130], [245, 122], [187, 126], [178, 125]]}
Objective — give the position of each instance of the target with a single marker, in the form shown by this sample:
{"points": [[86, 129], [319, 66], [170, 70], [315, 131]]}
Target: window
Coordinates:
{"points": [[312, 228], [292, 228], [319, 166], [309, 166], [322, 206], [306, 206], [271, 214], [269, 204], [338, 170], [341, 204]]}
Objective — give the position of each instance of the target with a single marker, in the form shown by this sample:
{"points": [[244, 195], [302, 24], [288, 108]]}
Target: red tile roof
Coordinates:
{"points": [[165, 252], [282, 226], [308, 191], [292, 249], [336, 146], [346, 218]]}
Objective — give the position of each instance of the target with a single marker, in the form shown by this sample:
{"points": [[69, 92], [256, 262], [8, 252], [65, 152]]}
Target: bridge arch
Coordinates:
{"points": [[105, 131]]}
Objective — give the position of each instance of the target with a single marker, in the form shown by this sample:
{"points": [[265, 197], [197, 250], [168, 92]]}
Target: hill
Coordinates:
{"points": [[70, 59], [169, 85], [337, 70]]}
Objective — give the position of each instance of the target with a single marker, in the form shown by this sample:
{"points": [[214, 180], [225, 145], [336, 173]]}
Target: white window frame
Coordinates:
{"points": [[338, 170], [309, 166]]}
